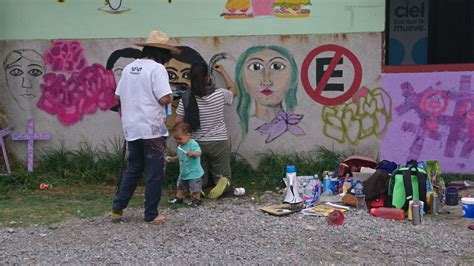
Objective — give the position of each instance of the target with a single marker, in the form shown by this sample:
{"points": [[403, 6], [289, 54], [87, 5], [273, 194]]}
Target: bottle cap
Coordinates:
{"points": [[290, 169]]}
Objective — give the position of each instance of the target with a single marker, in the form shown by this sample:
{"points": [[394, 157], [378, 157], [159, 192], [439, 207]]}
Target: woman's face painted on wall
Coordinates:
{"points": [[266, 77], [23, 78]]}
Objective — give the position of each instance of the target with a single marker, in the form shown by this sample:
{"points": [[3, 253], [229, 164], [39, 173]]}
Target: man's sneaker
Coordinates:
{"points": [[116, 216], [195, 203], [220, 188], [175, 201]]}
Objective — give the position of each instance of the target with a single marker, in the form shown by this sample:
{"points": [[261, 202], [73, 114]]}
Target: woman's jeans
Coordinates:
{"points": [[143, 155]]}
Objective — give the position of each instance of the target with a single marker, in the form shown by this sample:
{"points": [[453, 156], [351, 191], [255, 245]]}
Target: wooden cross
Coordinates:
{"points": [[30, 136], [3, 133]]}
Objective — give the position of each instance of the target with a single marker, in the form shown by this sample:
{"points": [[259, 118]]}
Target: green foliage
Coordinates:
{"points": [[272, 166], [65, 168], [101, 166], [88, 165]]}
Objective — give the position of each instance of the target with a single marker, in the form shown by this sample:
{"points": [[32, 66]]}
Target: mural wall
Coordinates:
{"points": [[294, 92], [433, 119]]}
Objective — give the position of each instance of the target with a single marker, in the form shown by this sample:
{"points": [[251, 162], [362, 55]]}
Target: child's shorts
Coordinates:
{"points": [[193, 185]]}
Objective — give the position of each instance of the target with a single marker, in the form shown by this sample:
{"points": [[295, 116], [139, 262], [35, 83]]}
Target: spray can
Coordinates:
{"points": [[415, 209], [434, 203], [327, 183]]}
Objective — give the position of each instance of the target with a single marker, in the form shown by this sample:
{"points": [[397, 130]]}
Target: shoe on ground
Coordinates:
{"points": [[159, 219], [116, 216], [220, 188], [195, 203], [175, 201]]}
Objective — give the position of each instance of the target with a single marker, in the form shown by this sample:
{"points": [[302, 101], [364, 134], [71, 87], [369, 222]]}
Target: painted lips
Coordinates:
{"points": [[28, 95], [266, 92]]}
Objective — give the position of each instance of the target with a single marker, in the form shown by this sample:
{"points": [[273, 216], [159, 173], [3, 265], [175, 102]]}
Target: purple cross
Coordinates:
{"points": [[30, 136], [3, 133]]}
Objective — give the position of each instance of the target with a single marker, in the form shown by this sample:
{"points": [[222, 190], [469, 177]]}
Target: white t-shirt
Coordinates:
{"points": [[211, 113], [142, 84]]}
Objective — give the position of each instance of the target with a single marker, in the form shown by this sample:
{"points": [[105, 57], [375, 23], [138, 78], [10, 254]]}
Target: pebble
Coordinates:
{"points": [[235, 230]]}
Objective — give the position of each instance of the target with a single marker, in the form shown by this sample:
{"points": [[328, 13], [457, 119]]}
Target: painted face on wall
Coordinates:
{"points": [[434, 102], [179, 72], [119, 66], [24, 70], [266, 77]]}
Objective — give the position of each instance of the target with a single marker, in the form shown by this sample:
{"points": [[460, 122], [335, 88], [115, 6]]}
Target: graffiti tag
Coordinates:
{"points": [[368, 114]]}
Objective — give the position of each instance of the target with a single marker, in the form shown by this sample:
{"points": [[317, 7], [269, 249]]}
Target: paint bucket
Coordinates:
{"points": [[452, 198], [468, 207]]}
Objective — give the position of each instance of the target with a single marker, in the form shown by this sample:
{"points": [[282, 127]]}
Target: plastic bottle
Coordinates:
{"points": [[359, 193], [388, 213], [327, 183], [311, 190], [359, 189]]}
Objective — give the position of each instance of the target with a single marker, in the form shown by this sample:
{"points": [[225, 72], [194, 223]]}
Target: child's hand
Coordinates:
{"points": [[193, 153], [171, 159]]}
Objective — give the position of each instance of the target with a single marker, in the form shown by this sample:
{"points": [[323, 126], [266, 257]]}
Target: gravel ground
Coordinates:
{"points": [[234, 231]]}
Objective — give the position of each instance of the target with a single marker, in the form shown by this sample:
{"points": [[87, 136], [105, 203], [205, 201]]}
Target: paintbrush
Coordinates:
{"points": [[181, 149]]}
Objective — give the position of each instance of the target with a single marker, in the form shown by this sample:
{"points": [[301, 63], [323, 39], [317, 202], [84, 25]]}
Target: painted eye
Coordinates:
{"points": [[277, 66], [35, 72], [16, 72], [187, 75], [118, 71], [172, 76], [255, 67]]}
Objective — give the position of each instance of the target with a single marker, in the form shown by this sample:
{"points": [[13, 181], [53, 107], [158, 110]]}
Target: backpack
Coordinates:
{"points": [[376, 185], [407, 183], [386, 166]]}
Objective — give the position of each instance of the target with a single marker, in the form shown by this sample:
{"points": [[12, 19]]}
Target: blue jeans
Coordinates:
{"points": [[143, 155]]}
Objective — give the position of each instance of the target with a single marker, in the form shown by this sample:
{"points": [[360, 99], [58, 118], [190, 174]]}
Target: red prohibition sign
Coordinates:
{"points": [[316, 93]]}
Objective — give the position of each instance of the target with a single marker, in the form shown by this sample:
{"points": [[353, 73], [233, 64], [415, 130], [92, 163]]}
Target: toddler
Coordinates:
{"points": [[190, 170]]}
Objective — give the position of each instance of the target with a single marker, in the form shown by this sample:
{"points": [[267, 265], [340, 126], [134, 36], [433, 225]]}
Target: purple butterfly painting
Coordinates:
{"points": [[282, 123]]}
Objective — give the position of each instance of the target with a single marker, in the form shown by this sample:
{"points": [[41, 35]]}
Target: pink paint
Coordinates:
{"points": [[363, 91], [434, 102], [83, 93], [262, 8], [65, 56], [433, 119]]}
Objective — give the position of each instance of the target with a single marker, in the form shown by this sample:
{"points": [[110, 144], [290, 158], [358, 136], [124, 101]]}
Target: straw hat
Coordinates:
{"points": [[159, 39]]}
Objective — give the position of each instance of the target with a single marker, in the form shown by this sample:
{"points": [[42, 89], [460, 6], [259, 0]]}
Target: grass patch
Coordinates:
{"points": [[27, 207]]}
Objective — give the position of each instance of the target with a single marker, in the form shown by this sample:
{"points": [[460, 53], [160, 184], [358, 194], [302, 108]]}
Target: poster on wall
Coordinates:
{"points": [[408, 31]]}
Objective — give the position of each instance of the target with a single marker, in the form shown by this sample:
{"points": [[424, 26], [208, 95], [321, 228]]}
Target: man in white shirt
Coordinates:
{"points": [[144, 93]]}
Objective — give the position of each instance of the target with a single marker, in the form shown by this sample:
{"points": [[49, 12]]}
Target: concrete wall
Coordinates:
{"points": [[86, 19], [66, 88]]}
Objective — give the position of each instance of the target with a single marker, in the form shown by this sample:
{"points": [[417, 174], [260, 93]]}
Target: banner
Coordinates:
{"points": [[408, 32]]}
